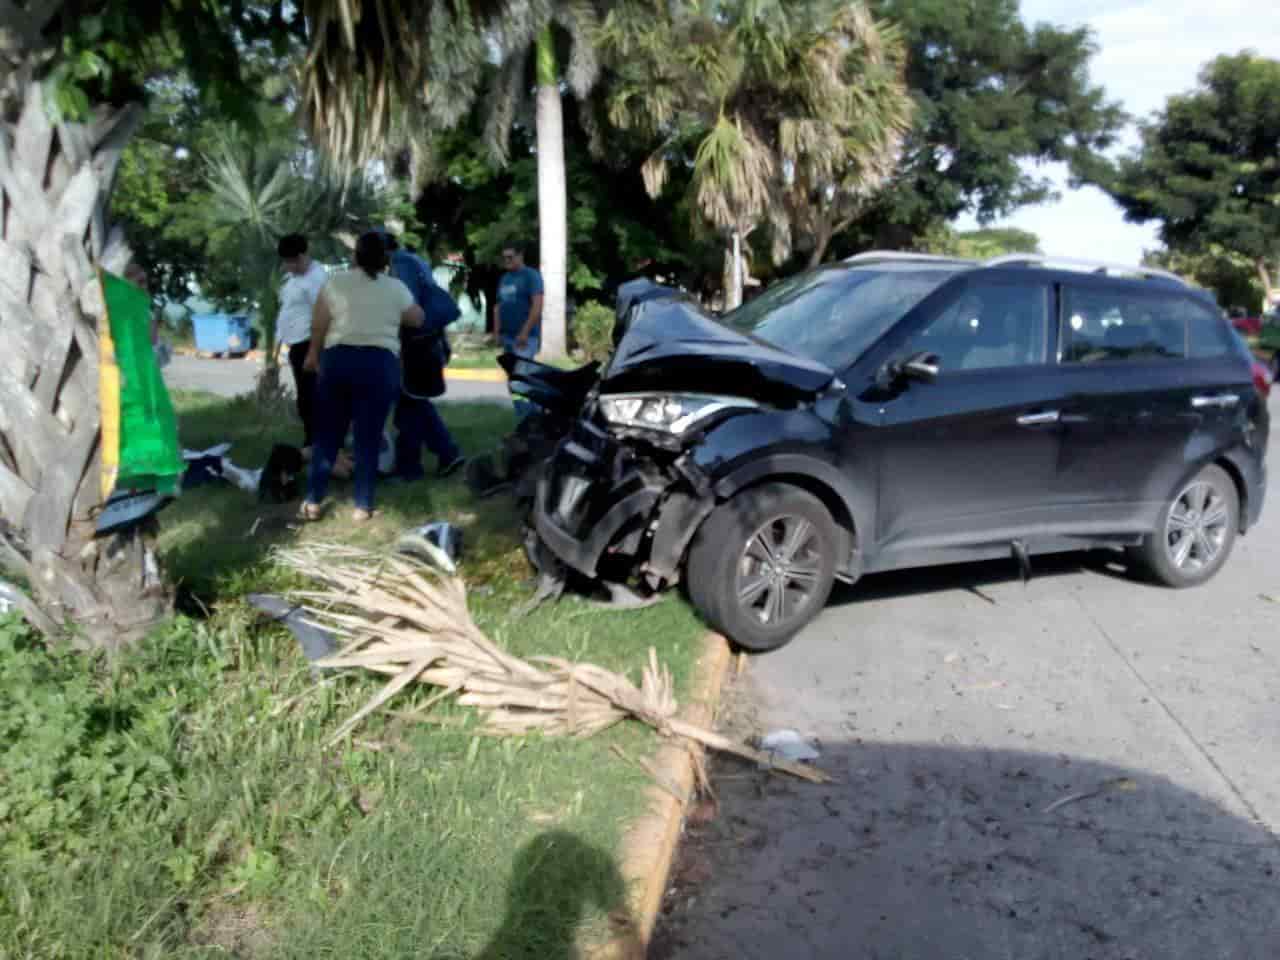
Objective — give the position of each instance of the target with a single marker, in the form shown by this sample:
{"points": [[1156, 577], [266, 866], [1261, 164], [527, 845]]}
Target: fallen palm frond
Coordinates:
{"points": [[397, 616]]}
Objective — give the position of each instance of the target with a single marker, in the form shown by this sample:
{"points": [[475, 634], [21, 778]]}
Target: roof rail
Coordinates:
{"points": [[886, 256], [1095, 266]]}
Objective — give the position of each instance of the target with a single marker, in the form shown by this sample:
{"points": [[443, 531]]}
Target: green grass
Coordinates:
{"points": [[227, 830], [215, 540]]}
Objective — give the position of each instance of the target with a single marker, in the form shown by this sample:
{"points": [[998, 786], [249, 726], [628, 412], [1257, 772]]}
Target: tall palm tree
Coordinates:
{"points": [[787, 112], [378, 73]]}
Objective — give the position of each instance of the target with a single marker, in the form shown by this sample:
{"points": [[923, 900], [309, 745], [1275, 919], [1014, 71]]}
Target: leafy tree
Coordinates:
{"points": [[161, 194], [979, 244], [258, 190], [472, 207], [160, 174], [785, 114], [1231, 276], [1208, 168], [991, 94]]}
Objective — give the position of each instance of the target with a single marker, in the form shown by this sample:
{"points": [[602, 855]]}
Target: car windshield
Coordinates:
{"points": [[833, 315]]}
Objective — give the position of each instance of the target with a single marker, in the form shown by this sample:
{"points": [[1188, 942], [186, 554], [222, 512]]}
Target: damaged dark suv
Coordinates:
{"points": [[898, 411]]}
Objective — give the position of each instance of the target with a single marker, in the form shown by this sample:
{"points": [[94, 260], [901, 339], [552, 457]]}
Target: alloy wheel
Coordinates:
{"points": [[1196, 528], [779, 570]]}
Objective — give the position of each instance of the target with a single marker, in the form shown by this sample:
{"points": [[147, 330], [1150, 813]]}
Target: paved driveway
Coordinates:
{"points": [[231, 377], [957, 706]]}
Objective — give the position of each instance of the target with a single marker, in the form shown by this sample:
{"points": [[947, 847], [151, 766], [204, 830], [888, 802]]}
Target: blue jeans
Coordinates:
{"points": [[528, 352], [357, 387], [418, 424]]}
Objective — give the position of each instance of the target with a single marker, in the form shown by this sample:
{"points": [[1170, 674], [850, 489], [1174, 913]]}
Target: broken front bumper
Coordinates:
{"points": [[591, 493], [598, 497]]}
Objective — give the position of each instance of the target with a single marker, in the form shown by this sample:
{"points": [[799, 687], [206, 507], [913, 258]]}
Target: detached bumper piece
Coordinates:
{"points": [[589, 494]]}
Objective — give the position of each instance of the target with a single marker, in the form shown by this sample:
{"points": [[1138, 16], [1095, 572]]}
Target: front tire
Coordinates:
{"points": [[1196, 532], [762, 565]]}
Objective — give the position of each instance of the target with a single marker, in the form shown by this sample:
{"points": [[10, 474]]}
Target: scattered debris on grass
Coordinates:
{"points": [[438, 543], [400, 617], [622, 597], [316, 642]]}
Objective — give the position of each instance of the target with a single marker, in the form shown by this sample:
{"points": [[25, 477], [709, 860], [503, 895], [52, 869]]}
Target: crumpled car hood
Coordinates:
{"points": [[671, 344]]}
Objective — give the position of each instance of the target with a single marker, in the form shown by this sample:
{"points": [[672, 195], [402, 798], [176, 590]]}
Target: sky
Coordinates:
{"points": [[1147, 51]]}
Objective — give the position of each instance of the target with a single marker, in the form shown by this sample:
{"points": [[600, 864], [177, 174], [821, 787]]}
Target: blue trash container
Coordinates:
{"points": [[222, 333]]}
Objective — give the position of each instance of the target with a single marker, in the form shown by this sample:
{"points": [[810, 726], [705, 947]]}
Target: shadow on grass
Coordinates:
{"points": [[556, 877]]}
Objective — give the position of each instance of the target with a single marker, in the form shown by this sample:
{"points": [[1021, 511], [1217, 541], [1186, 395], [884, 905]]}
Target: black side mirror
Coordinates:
{"points": [[921, 366]]}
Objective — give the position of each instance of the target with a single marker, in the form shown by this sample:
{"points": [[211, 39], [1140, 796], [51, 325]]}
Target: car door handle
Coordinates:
{"points": [[1042, 419], [1217, 400]]}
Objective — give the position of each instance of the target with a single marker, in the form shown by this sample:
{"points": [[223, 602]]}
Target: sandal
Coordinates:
{"points": [[310, 512], [360, 515]]}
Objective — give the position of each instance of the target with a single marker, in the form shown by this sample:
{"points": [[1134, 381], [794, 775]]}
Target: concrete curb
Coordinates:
{"points": [[650, 843], [480, 376]]}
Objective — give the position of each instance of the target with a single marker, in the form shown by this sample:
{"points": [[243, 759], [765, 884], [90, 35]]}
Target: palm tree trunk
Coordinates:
{"points": [[56, 180], [820, 244], [733, 272], [552, 198], [1264, 274]]}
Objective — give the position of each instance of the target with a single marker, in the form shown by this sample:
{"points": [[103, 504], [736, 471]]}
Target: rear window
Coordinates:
{"points": [[832, 315], [1117, 326], [1208, 335]]}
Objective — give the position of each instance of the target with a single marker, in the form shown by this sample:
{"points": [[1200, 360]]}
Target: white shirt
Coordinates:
{"points": [[297, 300]]}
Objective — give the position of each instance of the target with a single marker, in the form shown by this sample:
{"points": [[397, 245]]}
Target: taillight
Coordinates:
{"points": [[1261, 379]]}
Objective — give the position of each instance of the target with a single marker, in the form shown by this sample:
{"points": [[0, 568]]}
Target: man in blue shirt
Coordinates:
{"points": [[517, 316], [417, 421]]}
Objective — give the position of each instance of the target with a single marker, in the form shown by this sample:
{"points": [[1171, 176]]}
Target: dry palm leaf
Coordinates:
{"points": [[400, 618]]}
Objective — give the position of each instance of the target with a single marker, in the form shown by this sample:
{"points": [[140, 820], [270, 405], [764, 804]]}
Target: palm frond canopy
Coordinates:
{"points": [[377, 69], [779, 107]]}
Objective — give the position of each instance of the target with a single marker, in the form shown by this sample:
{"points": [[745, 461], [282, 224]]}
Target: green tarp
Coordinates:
{"points": [[139, 430]]}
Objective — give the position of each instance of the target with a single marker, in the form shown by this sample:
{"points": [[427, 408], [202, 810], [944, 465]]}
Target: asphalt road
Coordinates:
{"points": [[232, 377], [956, 707]]}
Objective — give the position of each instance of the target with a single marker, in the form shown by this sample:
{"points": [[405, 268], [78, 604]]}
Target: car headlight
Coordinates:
{"points": [[673, 413]]}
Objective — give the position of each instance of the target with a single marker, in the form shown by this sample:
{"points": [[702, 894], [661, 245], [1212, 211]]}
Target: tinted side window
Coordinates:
{"points": [[1208, 335], [1110, 326], [987, 326]]}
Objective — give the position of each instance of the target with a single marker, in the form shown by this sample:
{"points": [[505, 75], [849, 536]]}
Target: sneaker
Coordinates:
{"points": [[452, 467]]}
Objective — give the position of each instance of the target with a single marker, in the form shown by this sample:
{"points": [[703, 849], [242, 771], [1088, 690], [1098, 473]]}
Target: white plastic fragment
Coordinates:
{"points": [[789, 745]]}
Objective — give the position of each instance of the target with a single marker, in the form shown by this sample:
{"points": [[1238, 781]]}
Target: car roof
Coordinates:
{"points": [[1057, 267]]}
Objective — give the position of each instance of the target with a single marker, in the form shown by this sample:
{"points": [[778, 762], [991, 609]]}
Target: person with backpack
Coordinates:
{"points": [[424, 353]]}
